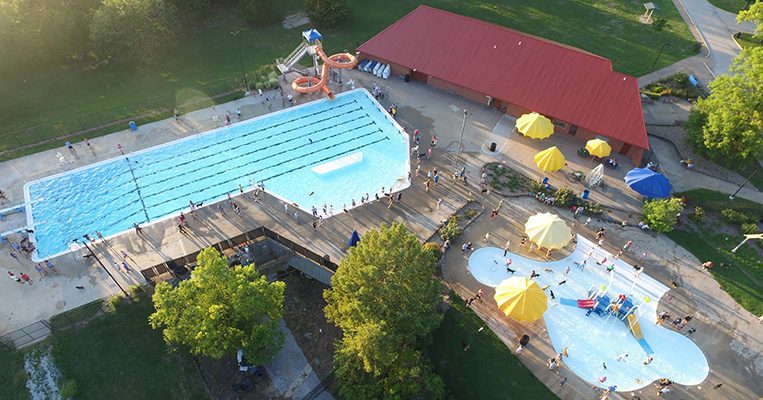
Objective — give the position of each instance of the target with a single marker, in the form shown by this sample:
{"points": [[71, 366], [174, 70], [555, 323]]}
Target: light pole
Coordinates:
{"points": [[742, 185], [666, 44], [235, 33], [461, 140], [75, 240]]}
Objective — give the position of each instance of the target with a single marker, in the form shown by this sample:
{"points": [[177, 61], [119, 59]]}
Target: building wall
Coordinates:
{"points": [[560, 127]]}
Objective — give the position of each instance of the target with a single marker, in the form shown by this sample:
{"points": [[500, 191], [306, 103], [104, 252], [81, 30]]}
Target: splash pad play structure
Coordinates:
{"points": [[312, 46], [613, 322]]}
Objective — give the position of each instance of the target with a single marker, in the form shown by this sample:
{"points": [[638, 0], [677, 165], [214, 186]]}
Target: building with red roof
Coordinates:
{"points": [[516, 73]]}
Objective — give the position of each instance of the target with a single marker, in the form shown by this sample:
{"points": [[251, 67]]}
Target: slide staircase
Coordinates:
{"points": [[287, 64]]}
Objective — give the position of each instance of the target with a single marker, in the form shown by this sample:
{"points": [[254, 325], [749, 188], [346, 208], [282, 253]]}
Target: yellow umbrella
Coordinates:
{"points": [[598, 148], [550, 159], [535, 126], [521, 299], [548, 230]]}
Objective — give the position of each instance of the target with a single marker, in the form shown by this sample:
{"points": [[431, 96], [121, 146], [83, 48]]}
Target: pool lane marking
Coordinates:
{"points": [[303, 155], [223, 194], [134, 177], [137, 188], [228, 144], [239, 147]]}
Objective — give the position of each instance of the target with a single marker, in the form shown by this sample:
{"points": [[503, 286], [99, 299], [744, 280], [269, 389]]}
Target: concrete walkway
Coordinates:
{"points": [[713, 27], [730, 334], [289, 371]]}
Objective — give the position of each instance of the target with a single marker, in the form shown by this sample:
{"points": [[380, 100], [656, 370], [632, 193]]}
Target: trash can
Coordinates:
{"points": [[133, 126], [585, 194], [492, 146], [407, 78]]}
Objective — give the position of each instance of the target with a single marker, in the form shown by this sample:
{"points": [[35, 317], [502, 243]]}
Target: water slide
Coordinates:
{"points": [[636, 330], [587, 303], [311, 84]]}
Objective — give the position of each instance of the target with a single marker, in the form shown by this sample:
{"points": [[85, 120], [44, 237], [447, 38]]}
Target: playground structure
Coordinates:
{"points": [[312, 46], [621, 308]]}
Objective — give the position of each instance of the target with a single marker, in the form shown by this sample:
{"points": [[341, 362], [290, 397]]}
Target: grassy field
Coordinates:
{"points": [[488, 370], [732, 6], [62, 100], [12, 375], [118, 356], [746, 41], [743, 279]]}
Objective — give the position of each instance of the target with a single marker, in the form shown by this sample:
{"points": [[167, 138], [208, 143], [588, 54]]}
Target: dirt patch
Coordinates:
{"points": [[303, 313]]}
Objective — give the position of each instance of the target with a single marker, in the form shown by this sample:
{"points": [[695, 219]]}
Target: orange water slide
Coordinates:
{"points": [[311, 84]]}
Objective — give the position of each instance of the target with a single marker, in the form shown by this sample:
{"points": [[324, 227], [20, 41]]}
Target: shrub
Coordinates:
{"points": [[327, 13], [750, 228], [659, 24], [736, 217], [260, 12], [451, 229], [433, 248], [698, 215], [592, 207], [565, 197], [660, 214], [69, 389], [537, 186], [470, 213]]}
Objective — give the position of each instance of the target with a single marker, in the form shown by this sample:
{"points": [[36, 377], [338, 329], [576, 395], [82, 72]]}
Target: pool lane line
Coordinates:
{"points": [[129, 192], [197, 149], [249, 153], [132, 172], [239, 147], [223, 194], [303, 155]]}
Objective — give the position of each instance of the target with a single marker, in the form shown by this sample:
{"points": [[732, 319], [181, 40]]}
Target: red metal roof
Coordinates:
{"points": [[553, 79]]}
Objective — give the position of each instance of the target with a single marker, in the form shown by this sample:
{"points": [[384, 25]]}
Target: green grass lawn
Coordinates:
{"points": [[12, 375], [118, 356], [743, 280], [488, 370], [732, 6], [62, 100], [716, 201], [746, 41]]}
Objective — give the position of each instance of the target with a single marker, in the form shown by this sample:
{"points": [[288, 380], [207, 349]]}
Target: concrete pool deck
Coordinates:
{"points": [[730, 337]]}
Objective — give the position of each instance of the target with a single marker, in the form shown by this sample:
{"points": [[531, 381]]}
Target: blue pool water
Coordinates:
{"points": [[280, 150], [593, 340]]}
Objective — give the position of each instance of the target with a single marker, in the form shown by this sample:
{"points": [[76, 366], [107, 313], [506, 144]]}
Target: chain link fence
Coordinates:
{"points": [[108, 120]]}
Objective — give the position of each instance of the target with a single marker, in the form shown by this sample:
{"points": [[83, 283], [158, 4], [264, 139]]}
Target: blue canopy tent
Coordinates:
{"points": [[648, 183], [354, 239]]}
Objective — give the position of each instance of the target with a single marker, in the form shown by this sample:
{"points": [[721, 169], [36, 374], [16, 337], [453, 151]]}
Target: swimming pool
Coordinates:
{"points": [[597, 346], [322, 152]]}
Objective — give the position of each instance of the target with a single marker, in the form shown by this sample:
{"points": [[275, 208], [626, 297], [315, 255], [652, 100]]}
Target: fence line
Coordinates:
{"points": [[80, 124]]}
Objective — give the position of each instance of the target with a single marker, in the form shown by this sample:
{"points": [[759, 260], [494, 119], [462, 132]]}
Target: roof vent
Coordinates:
{"points": [[520, 43], [624, 78], [494, 46]]}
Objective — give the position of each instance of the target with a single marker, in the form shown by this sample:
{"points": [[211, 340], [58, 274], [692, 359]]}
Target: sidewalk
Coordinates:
{"points": [[713, 27]]}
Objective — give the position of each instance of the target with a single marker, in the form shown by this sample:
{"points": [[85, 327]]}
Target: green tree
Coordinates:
{"points": [[733, 113], [193, 7], [260, 12], [384, 297], [124, 30], [660, 214], [221, 309], [327, 13], [753, 14]]}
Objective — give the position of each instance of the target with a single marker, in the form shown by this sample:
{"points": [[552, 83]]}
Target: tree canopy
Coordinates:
{"points": [[327, 13], [660, 214], [221, 309], [133, 29], [384, 297], [732, 115], [753, 14]]}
